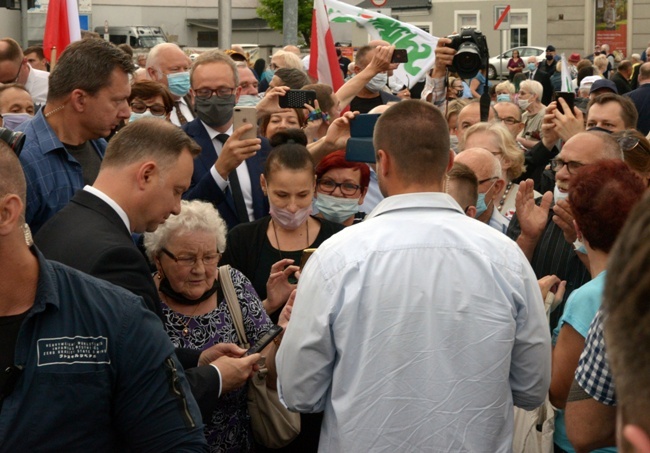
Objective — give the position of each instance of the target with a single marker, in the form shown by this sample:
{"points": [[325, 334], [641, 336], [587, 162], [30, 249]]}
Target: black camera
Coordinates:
{"points": [[472, 52], [15, 140]]}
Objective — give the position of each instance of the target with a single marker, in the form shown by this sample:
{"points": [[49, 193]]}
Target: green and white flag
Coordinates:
{"points": [[419, 44]]}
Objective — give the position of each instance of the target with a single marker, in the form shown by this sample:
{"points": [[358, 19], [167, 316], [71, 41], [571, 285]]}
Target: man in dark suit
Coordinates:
{"points": [[227, 172], [542, 77], [146, 169], [641, 99]]}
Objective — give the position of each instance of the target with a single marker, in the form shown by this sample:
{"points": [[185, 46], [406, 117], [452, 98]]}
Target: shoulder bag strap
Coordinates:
{"points": [[233, 304]]}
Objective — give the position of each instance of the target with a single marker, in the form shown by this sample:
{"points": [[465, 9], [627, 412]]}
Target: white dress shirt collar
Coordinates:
{"points": [[433, 200]]}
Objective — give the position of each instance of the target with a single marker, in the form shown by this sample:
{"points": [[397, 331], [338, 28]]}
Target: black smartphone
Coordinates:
{"points": [[296, 99], [569, 98], [265, 340], [305, 256], [400, 56]]}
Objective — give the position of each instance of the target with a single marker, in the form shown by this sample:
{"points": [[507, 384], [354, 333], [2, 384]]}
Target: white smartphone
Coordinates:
{"points": [[246, 115]]}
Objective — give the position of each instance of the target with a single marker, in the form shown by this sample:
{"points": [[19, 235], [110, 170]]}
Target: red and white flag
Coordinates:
{"points": [[323, 62], [61, 27]]}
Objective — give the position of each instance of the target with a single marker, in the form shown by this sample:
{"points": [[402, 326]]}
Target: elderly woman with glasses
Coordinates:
{"points": [[341, 187], [636, 149], [186, 250], [150, 99]]}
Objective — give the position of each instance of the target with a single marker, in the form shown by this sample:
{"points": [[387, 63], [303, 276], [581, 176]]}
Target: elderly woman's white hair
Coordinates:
{"points": [[512, 154], [195, 215], [534, 87], [505, 86]]}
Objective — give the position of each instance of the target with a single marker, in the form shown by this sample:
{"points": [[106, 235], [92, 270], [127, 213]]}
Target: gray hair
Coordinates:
{"points": [[195, 216], [154, 54], [214, 56], [534, 87]]}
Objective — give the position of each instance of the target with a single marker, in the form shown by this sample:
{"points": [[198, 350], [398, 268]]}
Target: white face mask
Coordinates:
{"points": [[523, 103], [377, 82], [557, 195], [12, 120], [147, 114]]}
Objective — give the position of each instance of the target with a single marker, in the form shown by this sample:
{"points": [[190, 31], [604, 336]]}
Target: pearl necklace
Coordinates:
{"points": [[505, 195]]}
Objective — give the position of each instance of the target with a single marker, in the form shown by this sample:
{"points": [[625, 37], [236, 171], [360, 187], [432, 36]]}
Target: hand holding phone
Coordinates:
{"points": [[569, 98], [265, 340], [296, 99], [245, 115], [400, 56]]}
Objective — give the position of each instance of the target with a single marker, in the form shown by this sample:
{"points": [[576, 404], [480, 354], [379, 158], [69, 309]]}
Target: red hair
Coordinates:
{"points": [[337, 160], [601, 196]]}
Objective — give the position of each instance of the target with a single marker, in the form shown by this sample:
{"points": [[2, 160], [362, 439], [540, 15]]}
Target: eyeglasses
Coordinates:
{"points": [[509, 120], [328, 187], [221, 92], [629, 142], [571, 166], [190, 261], [15, 79], [155, 109], [487, 179]]}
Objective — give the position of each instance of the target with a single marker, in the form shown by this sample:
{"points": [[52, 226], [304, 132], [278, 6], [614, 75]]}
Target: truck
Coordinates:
{"points": [[137, 36]]}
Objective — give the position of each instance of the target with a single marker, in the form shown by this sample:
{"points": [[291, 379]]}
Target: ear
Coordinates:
{"points": [[263, 184], [363, 196], [636, 436], [78, 99], [471, 212], [11, 208], [498, 186], [151, 74], [578, 232], [237, 94], [148, 172], [452, 156], [383, 162]]}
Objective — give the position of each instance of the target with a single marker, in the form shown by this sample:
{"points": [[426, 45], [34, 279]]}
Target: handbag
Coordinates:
{"points": [[273, 425], [533, 430]]}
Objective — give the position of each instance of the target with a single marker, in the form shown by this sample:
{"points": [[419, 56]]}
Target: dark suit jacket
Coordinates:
{"points": [[622, 84], [88, 235], [641, 99], [205, 188], [544, 78]]}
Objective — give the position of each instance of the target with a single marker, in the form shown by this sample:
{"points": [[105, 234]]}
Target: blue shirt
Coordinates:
{"points": [[53, 175], [579, 312], [416, 330], [98, 372]]}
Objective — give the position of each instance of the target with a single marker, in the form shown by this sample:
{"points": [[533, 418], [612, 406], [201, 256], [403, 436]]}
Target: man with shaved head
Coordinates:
{"points": [[468, 117]]}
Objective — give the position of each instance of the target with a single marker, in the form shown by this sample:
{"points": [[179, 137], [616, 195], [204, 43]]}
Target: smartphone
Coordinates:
{"points": [[265, 340], [400, 56], [569, 98], [296, 99], [359, 147], [305, 256], [246, 115]]}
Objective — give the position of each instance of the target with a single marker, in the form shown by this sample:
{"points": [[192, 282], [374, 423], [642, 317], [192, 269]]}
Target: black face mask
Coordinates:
{"points": [[216, 111], [549, 57], [168, 291]]}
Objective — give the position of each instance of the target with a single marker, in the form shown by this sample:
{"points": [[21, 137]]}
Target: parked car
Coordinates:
{"points": [[499, 65]]}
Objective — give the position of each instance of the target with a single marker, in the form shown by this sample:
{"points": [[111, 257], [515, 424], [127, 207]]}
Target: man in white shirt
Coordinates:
{"points": [[15, 69], [418, 328], [168, 64]]}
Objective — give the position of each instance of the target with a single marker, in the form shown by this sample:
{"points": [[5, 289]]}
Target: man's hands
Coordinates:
{"points": [[564, 219], [235, 151], [444, 58], [270, 102], [551, 284], [236, 371], [532, 218], [278, 288], [220, 350], [558, 125], [285, 315]]}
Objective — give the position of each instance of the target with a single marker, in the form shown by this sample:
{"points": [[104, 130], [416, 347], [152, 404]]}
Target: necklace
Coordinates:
{"points": [[505, 195], [277, 241], [186, 325]]}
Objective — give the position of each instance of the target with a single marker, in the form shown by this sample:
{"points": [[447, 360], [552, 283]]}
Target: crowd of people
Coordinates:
{"points": [[482, 263]]}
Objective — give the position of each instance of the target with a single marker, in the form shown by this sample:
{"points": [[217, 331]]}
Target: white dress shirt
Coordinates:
{"points": [[37, 85], [242, 172], [416, 330], [185, 110]]}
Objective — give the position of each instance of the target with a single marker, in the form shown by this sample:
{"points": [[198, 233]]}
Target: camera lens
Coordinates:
{"points": [[467, 61], [15, 140]]}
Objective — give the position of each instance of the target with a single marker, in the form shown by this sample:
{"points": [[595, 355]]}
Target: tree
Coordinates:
{"points": [[272, 10]]}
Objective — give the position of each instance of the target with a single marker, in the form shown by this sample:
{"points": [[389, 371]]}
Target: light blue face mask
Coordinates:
{"points": [[579, 247], [147, 114], [481, 207], [336, 209], [179, 83], [531, 67], [248, 100], [503, 98]]}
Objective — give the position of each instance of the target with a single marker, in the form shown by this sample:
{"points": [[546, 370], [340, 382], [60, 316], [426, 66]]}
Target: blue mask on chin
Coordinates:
{"points": [[481, 207]]}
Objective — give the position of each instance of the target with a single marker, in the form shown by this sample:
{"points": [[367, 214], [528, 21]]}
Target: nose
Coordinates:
{"points": [[177, 207], [125, 111]]}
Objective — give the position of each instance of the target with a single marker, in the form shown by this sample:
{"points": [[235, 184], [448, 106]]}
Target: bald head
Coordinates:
{"points": [[292, 49], [162, 52], [481, 161], [469, 116], [12, 179], [593, 146]]}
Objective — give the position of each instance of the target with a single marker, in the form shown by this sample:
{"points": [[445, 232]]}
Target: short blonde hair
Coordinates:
{"points": [[195, 216], [512, 153], [505, 86], [601, 63], [290, 59]]}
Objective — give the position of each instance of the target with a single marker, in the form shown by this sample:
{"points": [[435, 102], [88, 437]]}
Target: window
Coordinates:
{"points": [[519, 27], [464, 19]]}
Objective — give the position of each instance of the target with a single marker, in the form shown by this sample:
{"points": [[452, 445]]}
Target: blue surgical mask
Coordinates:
{"points": [[248, 100], [531, 66], [503, 98], [481, 207], [377, 83], [336, 209], [579, 247], [179, 83], [12, 120], [147, 114]]}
